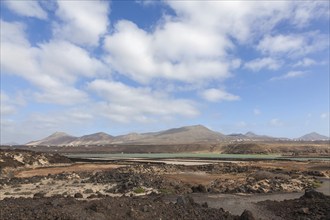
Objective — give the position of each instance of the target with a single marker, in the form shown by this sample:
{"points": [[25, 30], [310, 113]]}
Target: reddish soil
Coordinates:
{"points": [[90, 167]]}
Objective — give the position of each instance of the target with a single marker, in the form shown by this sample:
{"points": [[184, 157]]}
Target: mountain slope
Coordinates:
{"points": [[58, 138], [313, 137], [91, 139], [188, 134]]}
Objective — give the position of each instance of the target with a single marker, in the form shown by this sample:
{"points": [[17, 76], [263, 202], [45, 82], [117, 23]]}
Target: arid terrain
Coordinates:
{"points": [[38, 185]]}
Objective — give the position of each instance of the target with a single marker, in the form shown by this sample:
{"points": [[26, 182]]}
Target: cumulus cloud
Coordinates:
{"points": [[83, 22], [188, 57], [241, 25], [53, 67], [305, 62], [306, 11], [263, 63], [124, 103], [27, 8], [293, 45], [289, 75], [192, 47], [216, 95]]}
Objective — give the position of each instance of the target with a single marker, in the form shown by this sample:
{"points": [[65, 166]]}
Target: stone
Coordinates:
{"points": [[304, 210], [78, 195], [311, 194], [247, 215], [38, 195]]}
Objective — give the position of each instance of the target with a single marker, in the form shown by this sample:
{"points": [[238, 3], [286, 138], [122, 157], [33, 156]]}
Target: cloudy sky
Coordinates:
{"points": [[135, 66]]}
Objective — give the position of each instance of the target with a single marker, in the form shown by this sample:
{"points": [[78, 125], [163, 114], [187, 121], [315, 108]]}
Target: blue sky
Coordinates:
{"points": [[136, 66]]}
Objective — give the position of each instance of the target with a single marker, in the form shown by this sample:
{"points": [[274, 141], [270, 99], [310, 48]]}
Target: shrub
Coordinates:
{"points": [[139, 190]]}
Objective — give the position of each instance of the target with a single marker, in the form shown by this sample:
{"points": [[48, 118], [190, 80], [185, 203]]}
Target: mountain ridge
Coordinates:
{"points": [[181, 135], [313, 136]]}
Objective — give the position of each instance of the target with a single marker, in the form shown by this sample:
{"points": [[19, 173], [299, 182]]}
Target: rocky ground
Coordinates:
{"points": [[151, 207], [312, 205], [136, 179], [12, 160], [40, 185]]}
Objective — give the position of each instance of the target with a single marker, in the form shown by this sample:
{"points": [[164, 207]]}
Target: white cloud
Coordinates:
{"points": [[67, 61], [263, 63], [10, 104], [293, 45], [256, 111], [53, 67], [309, 10], [39, 125], [84, 22], [289, 75], [276, 122], [124, 104], [242, 24], [26, 8], [282, 44], [305, 62], [216, 95], [194, 46], [191, 56]]}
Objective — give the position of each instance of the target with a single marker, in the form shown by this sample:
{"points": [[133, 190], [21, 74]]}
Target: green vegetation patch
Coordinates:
{"points": [[139, 190]]}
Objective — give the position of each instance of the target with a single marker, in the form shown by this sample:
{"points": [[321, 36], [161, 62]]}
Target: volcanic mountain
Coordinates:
{"points": [[183, 135], [188, 134], [91, 139], [58, 138], [313, 137]]}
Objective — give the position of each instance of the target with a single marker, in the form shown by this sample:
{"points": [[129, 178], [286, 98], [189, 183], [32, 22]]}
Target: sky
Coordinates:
{"points": [[83, 67]]}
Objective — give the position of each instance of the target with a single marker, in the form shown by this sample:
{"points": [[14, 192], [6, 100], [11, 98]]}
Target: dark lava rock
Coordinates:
{"points": [[313, 205], [314, 173], [311, 193], [78, 195], [181, 201], [106, 208], [247, 215], [38, 195], [185, 200], [199, 189]]}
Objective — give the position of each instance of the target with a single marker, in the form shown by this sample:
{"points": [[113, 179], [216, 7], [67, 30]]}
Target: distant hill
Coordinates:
{"points": [[188, 134], [196, 134], [58, 138], [251, 136], [97, 138], [313, 137]]}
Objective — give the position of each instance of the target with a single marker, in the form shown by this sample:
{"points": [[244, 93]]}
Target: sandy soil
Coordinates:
{"points": [[88, 167], [201, 177]]}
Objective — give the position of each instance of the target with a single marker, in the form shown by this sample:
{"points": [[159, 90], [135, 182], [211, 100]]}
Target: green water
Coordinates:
{"points": [[174, 155], [187, 155]]}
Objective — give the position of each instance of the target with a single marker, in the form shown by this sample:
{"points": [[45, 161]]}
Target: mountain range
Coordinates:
{"points": [[182, 135]]}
